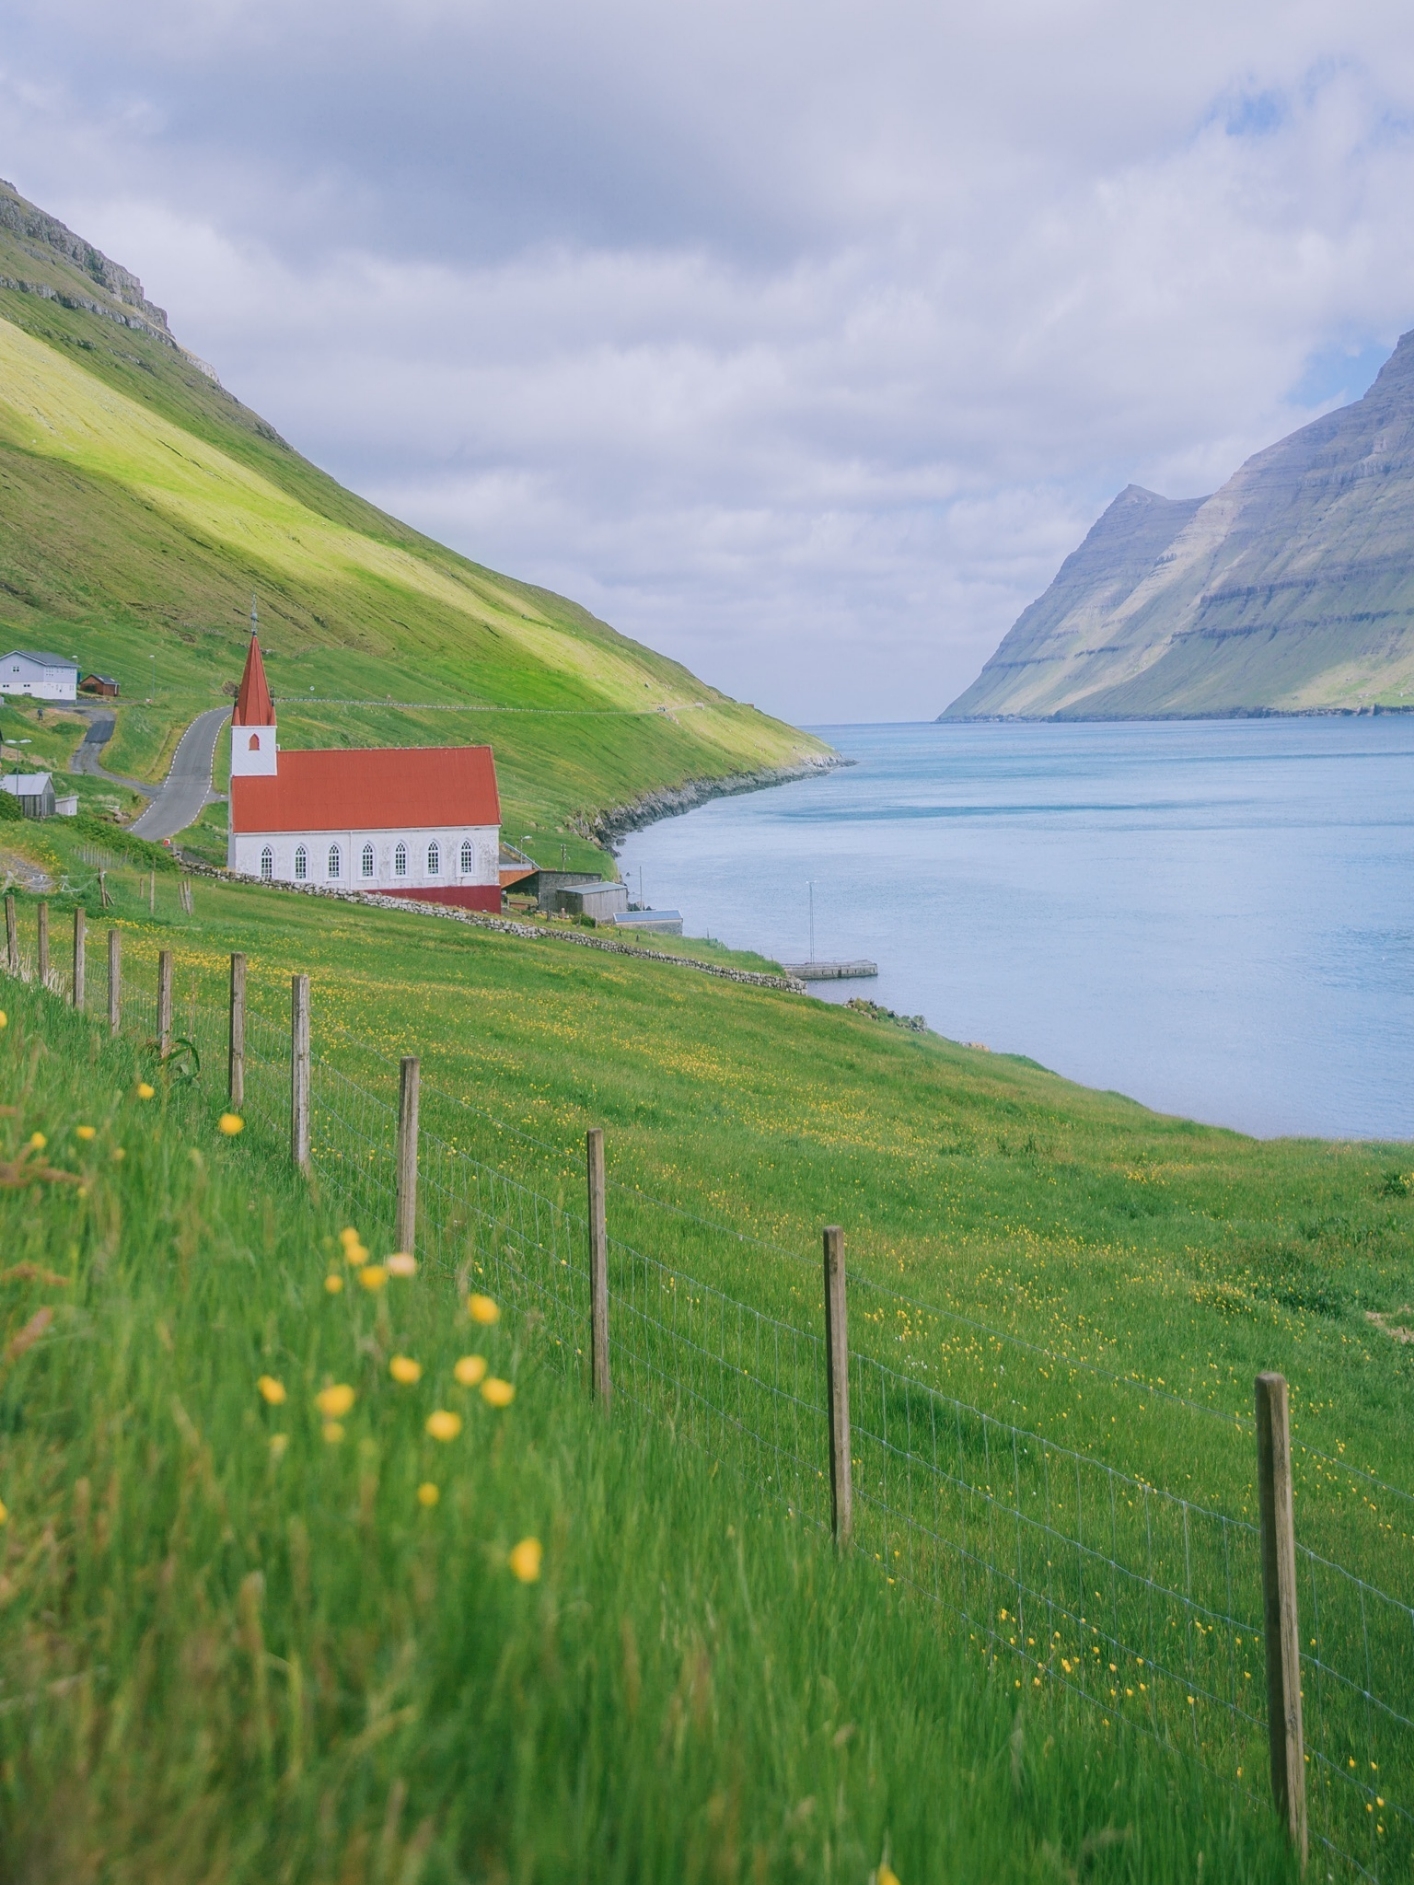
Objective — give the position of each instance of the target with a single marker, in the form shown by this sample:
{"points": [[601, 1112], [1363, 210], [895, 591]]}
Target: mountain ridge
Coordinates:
{"points": [[1288, 590]]}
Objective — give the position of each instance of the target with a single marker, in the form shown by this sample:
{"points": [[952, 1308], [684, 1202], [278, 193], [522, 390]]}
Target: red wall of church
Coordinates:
{"points": [[462, 896]]}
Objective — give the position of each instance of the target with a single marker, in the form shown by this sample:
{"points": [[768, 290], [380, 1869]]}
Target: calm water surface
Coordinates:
{"points": [[1215, 917]]}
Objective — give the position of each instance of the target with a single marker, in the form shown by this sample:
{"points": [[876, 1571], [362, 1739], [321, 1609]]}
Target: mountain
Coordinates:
{"points": [[141, 506], [1290, 590]]}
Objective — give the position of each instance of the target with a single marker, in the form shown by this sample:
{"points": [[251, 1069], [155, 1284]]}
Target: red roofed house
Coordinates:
{"points": [[421, 822]]}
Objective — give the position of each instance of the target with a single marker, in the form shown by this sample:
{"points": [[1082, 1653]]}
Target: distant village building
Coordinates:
{"points": [[422, 822], [40, 676], [34, 790], [101, 684]]}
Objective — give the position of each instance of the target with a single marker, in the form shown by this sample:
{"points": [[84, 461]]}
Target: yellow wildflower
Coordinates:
{"points": [[118, 1154], [348, 1235], [4, 1019], [470, 1369], [444, 1426], [355, 1255], [403, 1368], [427, 1493], [401, 1264], [334, 1402], [278, 1443], [497, 1393], [271, 1390], [144, 1090], [38, 1141], [373, 1276], [231, 1124], [333, 1283], [4, 1513], [85, 1132], [886, 1874], [333, 1432], [482, 1309], [525, 1560]]}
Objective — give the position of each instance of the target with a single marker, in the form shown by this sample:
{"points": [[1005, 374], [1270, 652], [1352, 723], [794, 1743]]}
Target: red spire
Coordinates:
{"points": [[254, 707]]}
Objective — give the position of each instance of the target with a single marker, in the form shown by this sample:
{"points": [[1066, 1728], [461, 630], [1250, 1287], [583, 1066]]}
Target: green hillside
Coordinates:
{"points": [[141, 506]]}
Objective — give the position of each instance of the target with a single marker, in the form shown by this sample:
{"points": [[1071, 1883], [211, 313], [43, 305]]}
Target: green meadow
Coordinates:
{"points": [[419, 1632]]}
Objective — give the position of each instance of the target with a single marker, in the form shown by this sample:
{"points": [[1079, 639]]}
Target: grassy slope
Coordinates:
{"points": [[228, 1662], [142, 506], [1185, 1256]]}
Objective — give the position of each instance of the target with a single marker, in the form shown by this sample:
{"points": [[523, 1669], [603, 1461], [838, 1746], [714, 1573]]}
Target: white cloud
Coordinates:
{"points": [[802, 341]]}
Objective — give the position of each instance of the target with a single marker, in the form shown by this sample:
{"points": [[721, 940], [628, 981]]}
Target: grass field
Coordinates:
{"points": [[247, 1637]]}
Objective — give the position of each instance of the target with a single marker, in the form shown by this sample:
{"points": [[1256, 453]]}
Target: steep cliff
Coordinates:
{"points": [[1289, 590]]}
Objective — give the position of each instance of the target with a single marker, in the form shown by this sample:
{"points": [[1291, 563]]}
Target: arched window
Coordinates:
{"points": [[253, 744], [400, 860], [468, 858], [335, 861], [368, 860], [267, 863], [301, 863], [434, 859]]}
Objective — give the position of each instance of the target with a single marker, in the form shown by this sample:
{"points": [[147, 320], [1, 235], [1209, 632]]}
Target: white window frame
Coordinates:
{"points": [[468, 857], [369, 861], [335, 861], [267, 865], [301, 864], [400, 859]]}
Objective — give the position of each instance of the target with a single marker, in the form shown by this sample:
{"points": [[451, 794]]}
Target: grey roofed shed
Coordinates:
{"points": [[34, 790], [593, 897]]}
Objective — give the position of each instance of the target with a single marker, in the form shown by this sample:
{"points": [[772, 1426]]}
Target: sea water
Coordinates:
{"points": [[1215, 917]]}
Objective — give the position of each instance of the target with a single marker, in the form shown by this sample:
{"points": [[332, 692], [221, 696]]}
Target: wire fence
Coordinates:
{"points": [[1097, 1587]]}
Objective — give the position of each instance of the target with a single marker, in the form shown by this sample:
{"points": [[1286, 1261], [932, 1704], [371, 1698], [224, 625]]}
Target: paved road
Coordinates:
{"points": [[188, 784], [100, 731]]}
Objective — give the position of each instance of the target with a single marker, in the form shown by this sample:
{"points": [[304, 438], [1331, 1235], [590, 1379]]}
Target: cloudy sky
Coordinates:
{"points": [[800, 339]]}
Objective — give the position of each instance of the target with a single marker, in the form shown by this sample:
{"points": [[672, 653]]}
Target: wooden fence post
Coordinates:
{"points": [[41, 966], [115, 980], [598, 1269], [837, 1380], [409, 1081], [80, 955], [235, 1056], [12, 937], [164, 1003], [299, 1071], [1283, 1635]]}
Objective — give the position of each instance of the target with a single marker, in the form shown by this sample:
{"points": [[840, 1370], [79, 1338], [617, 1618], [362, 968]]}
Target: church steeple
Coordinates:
{"points": [[253, 753]]}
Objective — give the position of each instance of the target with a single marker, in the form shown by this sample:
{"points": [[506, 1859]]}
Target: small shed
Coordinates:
{"points": [[592, 897], [38, 676], [34, 790], [101, 684]]}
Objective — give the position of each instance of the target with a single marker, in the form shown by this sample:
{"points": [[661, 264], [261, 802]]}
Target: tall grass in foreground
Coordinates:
{"points": [[247, 1637]]}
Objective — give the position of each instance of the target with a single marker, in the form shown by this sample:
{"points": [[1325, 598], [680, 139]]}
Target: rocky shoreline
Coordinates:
{"points": [[609, 827]]}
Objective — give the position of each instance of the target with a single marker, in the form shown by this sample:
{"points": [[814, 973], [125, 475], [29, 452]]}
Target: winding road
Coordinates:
{"points": [[187, 787]]}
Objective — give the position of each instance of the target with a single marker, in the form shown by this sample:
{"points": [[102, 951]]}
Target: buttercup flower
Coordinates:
{"points": [[333, 1432], [497, 1393], [333, 1283], [144, 1090], [348, 1235], [278, 1443], [335, 1402], [85, 1132], [271, 1390], [118, 1154], [886, 1874], [4, 1019], [373, 1276], [427, 1493], [4, 1513], [231, 1124], [403, 1368], [470, 1369], [482, 1309], [401, 1264], [444, 1426], [524, 1560], [38, 1141]]}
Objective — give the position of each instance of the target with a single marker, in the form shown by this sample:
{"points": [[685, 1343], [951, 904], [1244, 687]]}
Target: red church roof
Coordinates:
{"points": [[406, 788], [254, 707]]}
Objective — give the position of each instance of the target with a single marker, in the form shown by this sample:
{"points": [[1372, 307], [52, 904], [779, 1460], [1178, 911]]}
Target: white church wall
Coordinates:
{"points": [[245, 851]]}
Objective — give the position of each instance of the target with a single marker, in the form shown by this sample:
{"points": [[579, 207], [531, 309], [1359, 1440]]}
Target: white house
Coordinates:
{"points": [[40, 676], [422, 822]]}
